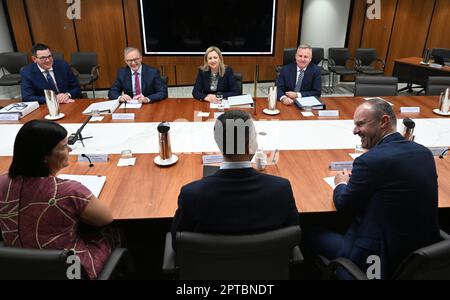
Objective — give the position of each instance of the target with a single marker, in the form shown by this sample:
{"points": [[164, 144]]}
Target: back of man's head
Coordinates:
{"points": [[38, 47], [235, 135]]}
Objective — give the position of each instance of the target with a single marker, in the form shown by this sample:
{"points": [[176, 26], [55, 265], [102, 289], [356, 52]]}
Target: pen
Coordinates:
{"points": [[275, 156]]}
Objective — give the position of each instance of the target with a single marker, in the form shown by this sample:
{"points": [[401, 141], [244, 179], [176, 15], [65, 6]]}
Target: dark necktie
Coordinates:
{"points": [[298, 86], [137, 85], [51, 81]]}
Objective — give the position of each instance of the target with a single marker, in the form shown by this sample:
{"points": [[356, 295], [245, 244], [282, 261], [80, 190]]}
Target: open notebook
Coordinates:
{"points": [[93, 182]]}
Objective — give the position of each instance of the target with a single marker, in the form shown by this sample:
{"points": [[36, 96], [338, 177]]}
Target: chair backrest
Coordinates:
{"points": [[339, 55], [58, 55], [430, 262], [317, 55], [239, 78], [442, 52], [366, 55], [255, 256], [13, 61], [20, 263], [83, 62], [289, 55], [376, 86], [437, 84]]}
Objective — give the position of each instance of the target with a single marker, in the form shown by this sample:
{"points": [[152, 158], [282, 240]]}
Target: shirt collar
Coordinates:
{"points": [[298, 69], [227, 165], [44, 70], [138, 70]]}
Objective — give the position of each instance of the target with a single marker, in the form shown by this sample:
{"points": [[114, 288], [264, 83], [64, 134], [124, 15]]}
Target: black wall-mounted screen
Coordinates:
{"points": [[188, 27]]}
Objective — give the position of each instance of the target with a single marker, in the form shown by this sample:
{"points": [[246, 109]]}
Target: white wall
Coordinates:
{"points": [[324, 23], [5, 37]]}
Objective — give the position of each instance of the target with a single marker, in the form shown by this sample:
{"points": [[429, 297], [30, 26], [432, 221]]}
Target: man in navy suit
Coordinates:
{"points": [[236, 199], [391, 195], [137, 81], [48, 74], [299, 79]]}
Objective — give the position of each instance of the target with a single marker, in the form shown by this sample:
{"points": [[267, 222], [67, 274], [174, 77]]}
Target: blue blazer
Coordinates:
{"points": [[235, 201], [393, 198], [311, 84], [151, 85], [34, 83], [226, 85]]}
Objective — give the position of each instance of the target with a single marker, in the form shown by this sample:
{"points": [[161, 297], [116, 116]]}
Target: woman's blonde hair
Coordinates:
{"points": [[205, 66]]}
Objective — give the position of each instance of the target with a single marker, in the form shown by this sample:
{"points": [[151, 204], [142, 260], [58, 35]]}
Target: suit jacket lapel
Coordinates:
{"points": [[143, 82], [128, 85], [40, 77]]}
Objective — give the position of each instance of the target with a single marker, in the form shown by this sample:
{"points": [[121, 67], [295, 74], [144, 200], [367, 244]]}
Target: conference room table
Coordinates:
{"points": [[146, 190], [409, 70]]}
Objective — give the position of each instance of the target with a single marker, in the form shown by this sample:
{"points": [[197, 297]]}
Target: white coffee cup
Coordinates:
{"points": [[260, 160]]}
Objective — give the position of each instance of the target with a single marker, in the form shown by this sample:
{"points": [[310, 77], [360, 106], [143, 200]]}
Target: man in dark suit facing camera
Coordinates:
{"points": [[237, 199], [137, 81], [299, 79]]}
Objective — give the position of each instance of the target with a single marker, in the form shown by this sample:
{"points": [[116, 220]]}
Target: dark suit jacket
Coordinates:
{"points": [[239, 201], [311, 84], [34, 83], [226, 85], [393, 196], [151, 85]]}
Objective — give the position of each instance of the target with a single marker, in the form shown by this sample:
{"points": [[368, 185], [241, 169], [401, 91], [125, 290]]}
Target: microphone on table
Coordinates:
{"points": [[87, 157], [77, 136]]}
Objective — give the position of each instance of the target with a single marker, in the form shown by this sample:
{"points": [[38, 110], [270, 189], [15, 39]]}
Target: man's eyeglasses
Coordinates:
{"points": [[135, 60], [45, 57], [17, 106]]}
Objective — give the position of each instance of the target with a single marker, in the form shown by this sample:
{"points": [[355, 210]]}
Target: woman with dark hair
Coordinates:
{"points": [[214, 78], [42, 211]]}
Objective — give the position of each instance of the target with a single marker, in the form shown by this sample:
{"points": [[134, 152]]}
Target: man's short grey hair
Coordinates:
{"points": [[381, 108], [130, 49], [305, 46]]}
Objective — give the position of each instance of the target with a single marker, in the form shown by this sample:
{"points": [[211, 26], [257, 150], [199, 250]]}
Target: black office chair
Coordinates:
{"points": [[376, 86], [239, 78], [437, 85], [12, 62], [58, 55], [85, 67], [319, 60], [428, 263], [338, 61], [441, 52], [255, 256], [366, 60], [288, 57], [25, 264]]}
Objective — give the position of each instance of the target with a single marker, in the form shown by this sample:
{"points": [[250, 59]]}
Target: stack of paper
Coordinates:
{"points": [[21, 108], [311, 102], [241, 101], [104, 107], [93, 182]]}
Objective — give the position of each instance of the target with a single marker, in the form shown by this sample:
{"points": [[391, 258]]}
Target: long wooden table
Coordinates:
{"points": [[148, 191]]}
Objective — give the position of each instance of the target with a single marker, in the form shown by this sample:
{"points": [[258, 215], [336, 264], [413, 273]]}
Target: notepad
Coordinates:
{"points": [[93, 182]]}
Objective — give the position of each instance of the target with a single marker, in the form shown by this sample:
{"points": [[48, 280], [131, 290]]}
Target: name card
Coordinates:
{"points": [[410, 109], [438, 150], [212, 159], [93, 157], [328, 113], [341, 165], [125, 116], [9, 117]]}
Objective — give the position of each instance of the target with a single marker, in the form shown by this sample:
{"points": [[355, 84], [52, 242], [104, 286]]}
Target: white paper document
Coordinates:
{"points": [[330, 181], [308, 101], [124, 162], [93, 182], [223, 105], [104, 107], [307, 114], [131, 105], [201, 114], [240, 100]]}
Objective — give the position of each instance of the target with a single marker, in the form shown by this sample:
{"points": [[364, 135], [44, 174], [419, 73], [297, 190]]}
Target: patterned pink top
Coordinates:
{"points": [[44, 213]]}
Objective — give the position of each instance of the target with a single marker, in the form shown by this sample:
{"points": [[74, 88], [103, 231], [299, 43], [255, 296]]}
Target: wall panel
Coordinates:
{"points": [[102, 29], [409, 34], [439, 34]]}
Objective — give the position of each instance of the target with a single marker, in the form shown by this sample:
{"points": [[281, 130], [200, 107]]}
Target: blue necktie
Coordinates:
{"points": [[298, 86], [51, 81]]}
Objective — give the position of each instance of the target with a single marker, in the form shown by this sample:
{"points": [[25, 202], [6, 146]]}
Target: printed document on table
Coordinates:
{"points": [[93, 182], [309, 101]]}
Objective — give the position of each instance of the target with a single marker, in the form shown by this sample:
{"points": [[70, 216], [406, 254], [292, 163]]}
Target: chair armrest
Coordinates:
{"points": [[331, 64], [444, 235], [94, 71], [169, 266], [111, 264], [297, 256], [329, 267], [358, 64]]}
